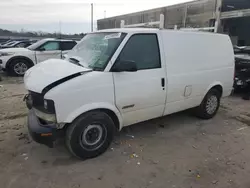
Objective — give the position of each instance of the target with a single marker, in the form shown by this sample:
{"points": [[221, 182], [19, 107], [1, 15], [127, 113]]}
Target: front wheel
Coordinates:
{"points": [[18, 67], [90, 135], [210, 105]]}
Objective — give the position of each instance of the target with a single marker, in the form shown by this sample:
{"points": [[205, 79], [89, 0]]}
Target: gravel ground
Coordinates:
{"points": [[177, 151]]}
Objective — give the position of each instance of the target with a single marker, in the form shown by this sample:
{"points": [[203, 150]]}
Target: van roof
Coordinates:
{"points": [[127, 30], [155, 30], [55, 39]]}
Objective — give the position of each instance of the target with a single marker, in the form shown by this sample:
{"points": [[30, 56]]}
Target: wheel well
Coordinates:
{"points": [[107, 111], [113, 117], [19, 57], [218, 88]]}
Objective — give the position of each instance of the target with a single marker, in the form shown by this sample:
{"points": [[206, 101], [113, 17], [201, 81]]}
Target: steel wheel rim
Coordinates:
{"points": [[20, 68], [212, 104], [92, 136]]}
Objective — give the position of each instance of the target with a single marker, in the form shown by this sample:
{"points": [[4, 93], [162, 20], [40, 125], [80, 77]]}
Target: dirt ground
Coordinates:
{"points": [[177, 151]]}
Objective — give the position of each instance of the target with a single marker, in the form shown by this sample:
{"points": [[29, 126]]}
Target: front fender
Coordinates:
{"points": [[93, 106], [29, 59]]}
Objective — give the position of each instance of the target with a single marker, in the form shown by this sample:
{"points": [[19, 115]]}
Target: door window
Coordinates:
{"points": [[143, 49], [67, 45], [50, 46]]}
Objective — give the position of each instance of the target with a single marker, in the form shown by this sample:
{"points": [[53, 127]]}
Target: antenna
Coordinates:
{"points": [[60, 30], [60, 35], [92, 22]]}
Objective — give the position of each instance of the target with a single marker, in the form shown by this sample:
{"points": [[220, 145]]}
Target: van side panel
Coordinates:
{"points": [[196, 61]]}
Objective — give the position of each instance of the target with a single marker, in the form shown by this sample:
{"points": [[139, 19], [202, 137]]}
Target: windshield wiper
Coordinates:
{"points": [[78, 62], [75, 61], [97, 69]]}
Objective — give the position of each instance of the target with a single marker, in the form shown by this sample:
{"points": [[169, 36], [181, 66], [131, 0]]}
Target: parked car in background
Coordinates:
{"points": [[242, 72], [13, 40], [3, 40], [10, 42], [17, 44], [242, 68], [16, 61], [242, 50], [120, 77]]}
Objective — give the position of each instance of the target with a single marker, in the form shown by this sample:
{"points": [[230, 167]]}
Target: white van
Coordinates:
{"points": [[118, 77]]}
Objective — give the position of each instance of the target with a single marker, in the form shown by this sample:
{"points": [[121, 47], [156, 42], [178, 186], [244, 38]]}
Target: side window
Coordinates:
{"points": [[143, 49], [49, 46], [67, 45]]}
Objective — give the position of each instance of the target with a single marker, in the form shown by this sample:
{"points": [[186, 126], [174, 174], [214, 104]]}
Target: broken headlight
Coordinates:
{"points": [[48, 105]]}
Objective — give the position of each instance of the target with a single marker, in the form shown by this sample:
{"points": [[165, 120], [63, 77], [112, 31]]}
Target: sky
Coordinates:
{"points": [[72, 16]]}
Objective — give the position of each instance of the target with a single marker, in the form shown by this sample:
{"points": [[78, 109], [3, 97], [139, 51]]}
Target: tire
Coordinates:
{"points": [[87, 127], [18, 64], [206, 111]]}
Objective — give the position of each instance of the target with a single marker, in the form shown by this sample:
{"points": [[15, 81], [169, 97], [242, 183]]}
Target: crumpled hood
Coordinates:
{"points": [[53, 70]]}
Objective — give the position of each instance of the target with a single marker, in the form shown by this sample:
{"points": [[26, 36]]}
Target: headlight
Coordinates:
{"points": [[48, 105], [6, 53]]}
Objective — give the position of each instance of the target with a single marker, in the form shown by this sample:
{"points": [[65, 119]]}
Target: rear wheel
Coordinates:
{"points": [[210, 105], [18, 67], [90, 135]]}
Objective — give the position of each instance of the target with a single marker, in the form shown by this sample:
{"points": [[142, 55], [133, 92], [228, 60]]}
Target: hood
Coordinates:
{"points": [[14, 50], [51, 73]]}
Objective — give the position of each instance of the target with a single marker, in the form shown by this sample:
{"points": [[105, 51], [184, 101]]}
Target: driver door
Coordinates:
{"points": [[141, 95], [48, 50]]}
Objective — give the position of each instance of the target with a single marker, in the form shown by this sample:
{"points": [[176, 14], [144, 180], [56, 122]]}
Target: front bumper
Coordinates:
{"points": [[3, 61], [40, 133]]}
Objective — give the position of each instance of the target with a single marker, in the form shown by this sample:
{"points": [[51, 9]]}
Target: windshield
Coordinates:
{"points": [[95, 49], [36, 44]]}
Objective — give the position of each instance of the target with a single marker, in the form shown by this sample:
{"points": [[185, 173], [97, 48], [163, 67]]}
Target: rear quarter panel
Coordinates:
{"points": [[200, 60]]}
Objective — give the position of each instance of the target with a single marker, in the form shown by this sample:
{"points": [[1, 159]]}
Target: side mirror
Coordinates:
{"points": [[41, 49], [124, 66]]}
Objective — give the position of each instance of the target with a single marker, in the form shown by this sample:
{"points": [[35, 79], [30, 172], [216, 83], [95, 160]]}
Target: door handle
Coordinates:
{"points": [[163, 82]]}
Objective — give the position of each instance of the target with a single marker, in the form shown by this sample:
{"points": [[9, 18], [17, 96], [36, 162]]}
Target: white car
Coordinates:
{"points": [[120, 77], [17, 61]]}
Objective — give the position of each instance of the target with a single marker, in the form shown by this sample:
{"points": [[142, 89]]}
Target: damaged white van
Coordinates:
{"points": [[118, 77]]}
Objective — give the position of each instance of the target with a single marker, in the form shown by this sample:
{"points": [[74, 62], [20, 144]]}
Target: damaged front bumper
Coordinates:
{"points": [[39, 132]]}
